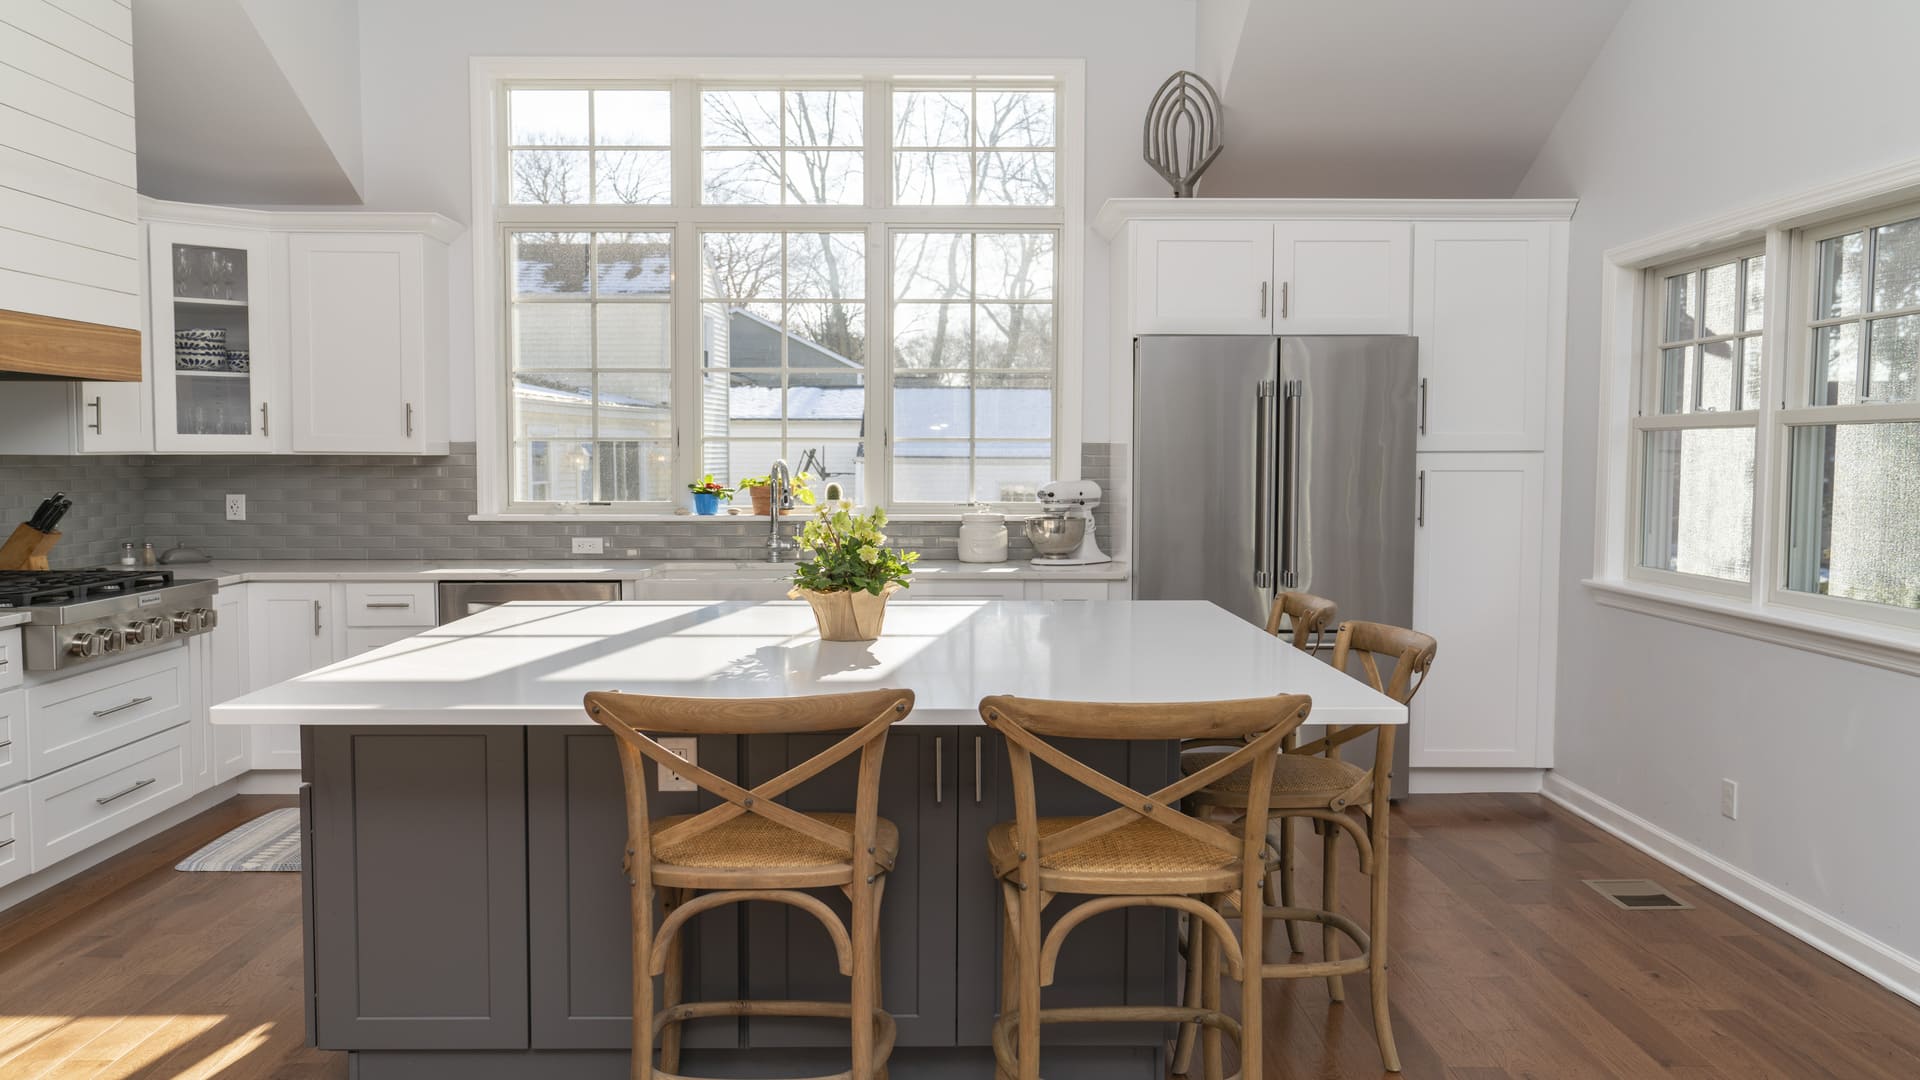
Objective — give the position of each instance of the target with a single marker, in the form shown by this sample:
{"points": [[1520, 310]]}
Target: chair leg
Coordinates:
{"points": [[1252, 1005], [1009, 970], [1286, 882], [864, 932], [1190, 996], [641, 906], [1330, 901], [673, 985], [1028, 1046], [1210, 1059], [1377, 944]]}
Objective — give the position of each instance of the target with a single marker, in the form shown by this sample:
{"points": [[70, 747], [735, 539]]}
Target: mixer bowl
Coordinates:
{"points": [[1056, 535]]}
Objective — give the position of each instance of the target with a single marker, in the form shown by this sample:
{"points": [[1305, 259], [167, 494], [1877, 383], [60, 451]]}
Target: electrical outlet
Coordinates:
{"points": [[686, 748], [589, 545], [236, 508], [1729, 799]]}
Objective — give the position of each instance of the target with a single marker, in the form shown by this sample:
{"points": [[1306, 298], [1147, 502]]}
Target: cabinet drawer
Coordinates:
{"points": [[75, 718], [16, 843], [1067, 590], [400, 604], [967, 590], [13, 737], [12, 661], [78, 807]]}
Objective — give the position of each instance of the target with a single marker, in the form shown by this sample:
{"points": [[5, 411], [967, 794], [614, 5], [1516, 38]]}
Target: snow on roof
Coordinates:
{"points": [[649, 276]]}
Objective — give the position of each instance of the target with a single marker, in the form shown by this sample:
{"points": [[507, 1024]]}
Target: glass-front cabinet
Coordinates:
{"points": [[214, 353]]}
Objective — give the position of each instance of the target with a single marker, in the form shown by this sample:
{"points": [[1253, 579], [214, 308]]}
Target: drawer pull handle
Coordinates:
{"points": [[389, 603], [124, 792], [97, 713], [7, 843], [7, 743]]}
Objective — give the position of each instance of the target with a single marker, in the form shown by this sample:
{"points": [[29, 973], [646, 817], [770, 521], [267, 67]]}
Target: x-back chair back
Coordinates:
{"points": [[1366, 644], [1307, 617]]}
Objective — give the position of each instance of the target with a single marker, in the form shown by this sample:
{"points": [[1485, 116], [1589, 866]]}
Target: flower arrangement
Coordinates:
{"points": [[707, 494], [852, 571]]}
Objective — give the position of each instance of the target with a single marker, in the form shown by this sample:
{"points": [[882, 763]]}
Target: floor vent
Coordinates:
{"points": [[1638, 894]]}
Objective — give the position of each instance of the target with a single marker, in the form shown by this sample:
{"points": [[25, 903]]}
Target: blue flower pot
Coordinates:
{"points": [[706, 505]]}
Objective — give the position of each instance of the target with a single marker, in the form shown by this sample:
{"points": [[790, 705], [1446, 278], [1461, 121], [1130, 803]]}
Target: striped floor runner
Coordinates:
{"points": [[268, 842]]}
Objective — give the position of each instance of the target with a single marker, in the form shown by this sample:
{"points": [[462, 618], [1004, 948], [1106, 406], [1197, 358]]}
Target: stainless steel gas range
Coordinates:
{"points": [[88, 616]]}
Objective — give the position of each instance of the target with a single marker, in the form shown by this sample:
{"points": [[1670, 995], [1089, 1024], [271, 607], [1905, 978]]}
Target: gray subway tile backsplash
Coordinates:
{"points": [[375, 508]]}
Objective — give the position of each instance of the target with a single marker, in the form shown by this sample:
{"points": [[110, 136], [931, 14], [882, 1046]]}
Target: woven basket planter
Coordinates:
{"points": [[847, 616]]}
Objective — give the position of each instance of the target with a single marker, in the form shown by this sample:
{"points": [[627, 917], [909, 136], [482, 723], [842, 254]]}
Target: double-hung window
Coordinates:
{"points": [[707, 266]]}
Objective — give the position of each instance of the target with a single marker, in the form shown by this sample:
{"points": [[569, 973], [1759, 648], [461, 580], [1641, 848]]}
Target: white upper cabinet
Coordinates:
{"points": [[1342, 277], [1203, 277], [360, 345], [1481, 307], [216, 347]]}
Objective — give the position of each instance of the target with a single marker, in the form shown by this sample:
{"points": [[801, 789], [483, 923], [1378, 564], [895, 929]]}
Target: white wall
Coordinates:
{"points": [[317, 45], [415, 112], [1691, 110]]}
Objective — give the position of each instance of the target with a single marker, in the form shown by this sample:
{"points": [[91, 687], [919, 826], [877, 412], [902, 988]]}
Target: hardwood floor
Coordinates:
{"points": [[1504, 966]]}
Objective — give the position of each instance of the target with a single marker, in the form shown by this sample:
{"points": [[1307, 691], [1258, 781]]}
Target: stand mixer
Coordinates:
{"points": [[1063, 534]]}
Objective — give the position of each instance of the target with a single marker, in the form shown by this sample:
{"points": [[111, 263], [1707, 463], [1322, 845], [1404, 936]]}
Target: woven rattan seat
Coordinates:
{"points": [[751, 842], [1141, 847], [1298, 779]]}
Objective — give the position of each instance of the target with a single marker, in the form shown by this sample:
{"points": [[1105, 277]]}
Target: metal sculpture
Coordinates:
{"points": [[1182, 133]]}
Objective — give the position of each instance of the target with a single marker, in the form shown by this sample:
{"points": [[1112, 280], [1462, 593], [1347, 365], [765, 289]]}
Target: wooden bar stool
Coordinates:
{"points": [[1145, 852], [1313, 782], [751, 847]]}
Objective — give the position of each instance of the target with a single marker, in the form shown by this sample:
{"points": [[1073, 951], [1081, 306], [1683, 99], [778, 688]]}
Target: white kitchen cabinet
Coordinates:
{"points": [[290, 631], [1342, 277], [1481, 305], [928, 589], [1203, 277], [16, 841], [226, 676], [367, 370], [1478, 590], [220, 391]]}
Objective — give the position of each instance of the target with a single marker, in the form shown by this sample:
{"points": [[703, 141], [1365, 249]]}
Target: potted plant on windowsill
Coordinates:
{"points": [[708, 494], [852, 572], [760, 490]]}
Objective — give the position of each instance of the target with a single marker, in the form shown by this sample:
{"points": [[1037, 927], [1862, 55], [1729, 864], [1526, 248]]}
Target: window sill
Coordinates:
{"points": [[1846, 639], [1013, 518]]}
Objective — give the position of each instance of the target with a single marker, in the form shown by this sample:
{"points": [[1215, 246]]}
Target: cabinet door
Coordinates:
{"points": [[1203, 277], [227, 678], [789, 954], [580, 965], [1109, 960], [290, 632], [418, 864], [358, 345], [1480, 307], [117, 417], [1477, 585], [1342, 277], [216, 348]]}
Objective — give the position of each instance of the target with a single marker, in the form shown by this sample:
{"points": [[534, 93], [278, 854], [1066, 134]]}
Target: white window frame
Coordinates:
{"points": [[686, 217], [1874, 634]]}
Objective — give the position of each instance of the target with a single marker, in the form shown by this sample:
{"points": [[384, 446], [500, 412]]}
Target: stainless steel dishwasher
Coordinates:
{"points": [[459, 599]]}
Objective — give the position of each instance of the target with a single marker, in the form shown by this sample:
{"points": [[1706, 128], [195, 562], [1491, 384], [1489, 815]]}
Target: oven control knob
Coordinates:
{"points": [[183, 622], [208, 617], [159, 629], [109, 639], [135, 633], [83, 645]]}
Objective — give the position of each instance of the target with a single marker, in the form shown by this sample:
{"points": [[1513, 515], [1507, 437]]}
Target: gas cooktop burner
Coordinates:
{"points": [[26, 588]]}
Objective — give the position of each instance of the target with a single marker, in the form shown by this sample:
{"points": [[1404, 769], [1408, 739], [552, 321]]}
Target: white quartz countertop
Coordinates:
{"points": [[531, 663], [228, 572]]}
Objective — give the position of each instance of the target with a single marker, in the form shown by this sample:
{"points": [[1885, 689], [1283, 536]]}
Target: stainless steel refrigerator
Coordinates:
{"points": [[1268, 464]]}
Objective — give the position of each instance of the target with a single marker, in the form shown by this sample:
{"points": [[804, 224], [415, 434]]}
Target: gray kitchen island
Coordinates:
{"points": [[466, 912]]}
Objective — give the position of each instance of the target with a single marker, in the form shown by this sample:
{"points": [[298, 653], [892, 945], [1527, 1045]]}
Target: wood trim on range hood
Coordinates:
{"points": [[39, 346]]}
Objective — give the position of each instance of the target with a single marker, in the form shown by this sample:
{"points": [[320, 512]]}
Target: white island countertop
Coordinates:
{"points": [[237, 572], [531, 663]]}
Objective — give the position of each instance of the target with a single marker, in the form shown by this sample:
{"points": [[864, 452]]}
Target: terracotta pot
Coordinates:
{"points": [[762, 497], [847, 616]]}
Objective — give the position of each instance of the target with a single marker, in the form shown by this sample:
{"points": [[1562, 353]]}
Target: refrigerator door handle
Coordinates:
{"points": [[1296, 391], [1263, 484]]}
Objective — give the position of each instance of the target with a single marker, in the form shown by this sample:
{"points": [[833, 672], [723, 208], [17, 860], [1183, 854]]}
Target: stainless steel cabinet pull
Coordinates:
{"points": [[409, 419], [1423, 406], [1263, 299], [939, 769], [99, 414], [7, 743], [7, 843], [1420, 514], [1283, 299], [977, 740], [125, 791], [123, 708], [389, 603], [316, 618], [263, 419]]}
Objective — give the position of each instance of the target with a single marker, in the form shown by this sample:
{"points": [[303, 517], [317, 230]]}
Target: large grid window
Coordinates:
{"points": [[710, 266], [1697, 426], [591, 382]]}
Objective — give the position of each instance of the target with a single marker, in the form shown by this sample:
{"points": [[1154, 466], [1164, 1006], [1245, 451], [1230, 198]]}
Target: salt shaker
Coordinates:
{"points": [[126, 555], [148, 556]]}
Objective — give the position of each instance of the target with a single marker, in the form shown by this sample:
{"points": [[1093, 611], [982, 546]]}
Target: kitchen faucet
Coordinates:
{"points": [[781, 481]]}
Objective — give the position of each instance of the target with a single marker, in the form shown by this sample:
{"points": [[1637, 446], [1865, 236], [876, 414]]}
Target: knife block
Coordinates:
{"points": [[27, 548]]}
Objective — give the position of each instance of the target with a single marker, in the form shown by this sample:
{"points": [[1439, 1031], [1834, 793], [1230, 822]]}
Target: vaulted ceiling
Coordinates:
{"points": [[1391, 98]]}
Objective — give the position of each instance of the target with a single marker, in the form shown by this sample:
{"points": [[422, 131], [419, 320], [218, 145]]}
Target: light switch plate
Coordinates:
{"points": [[685, 747], [589, 545], [236, 508]]}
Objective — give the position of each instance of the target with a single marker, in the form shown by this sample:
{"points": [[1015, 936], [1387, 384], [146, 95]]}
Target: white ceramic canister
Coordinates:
{"points": [[983, 536]]}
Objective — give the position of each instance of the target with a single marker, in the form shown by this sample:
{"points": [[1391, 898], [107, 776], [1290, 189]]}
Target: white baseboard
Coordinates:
{"points": [[1860, 951], [1431, 781], [269, 782]]}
